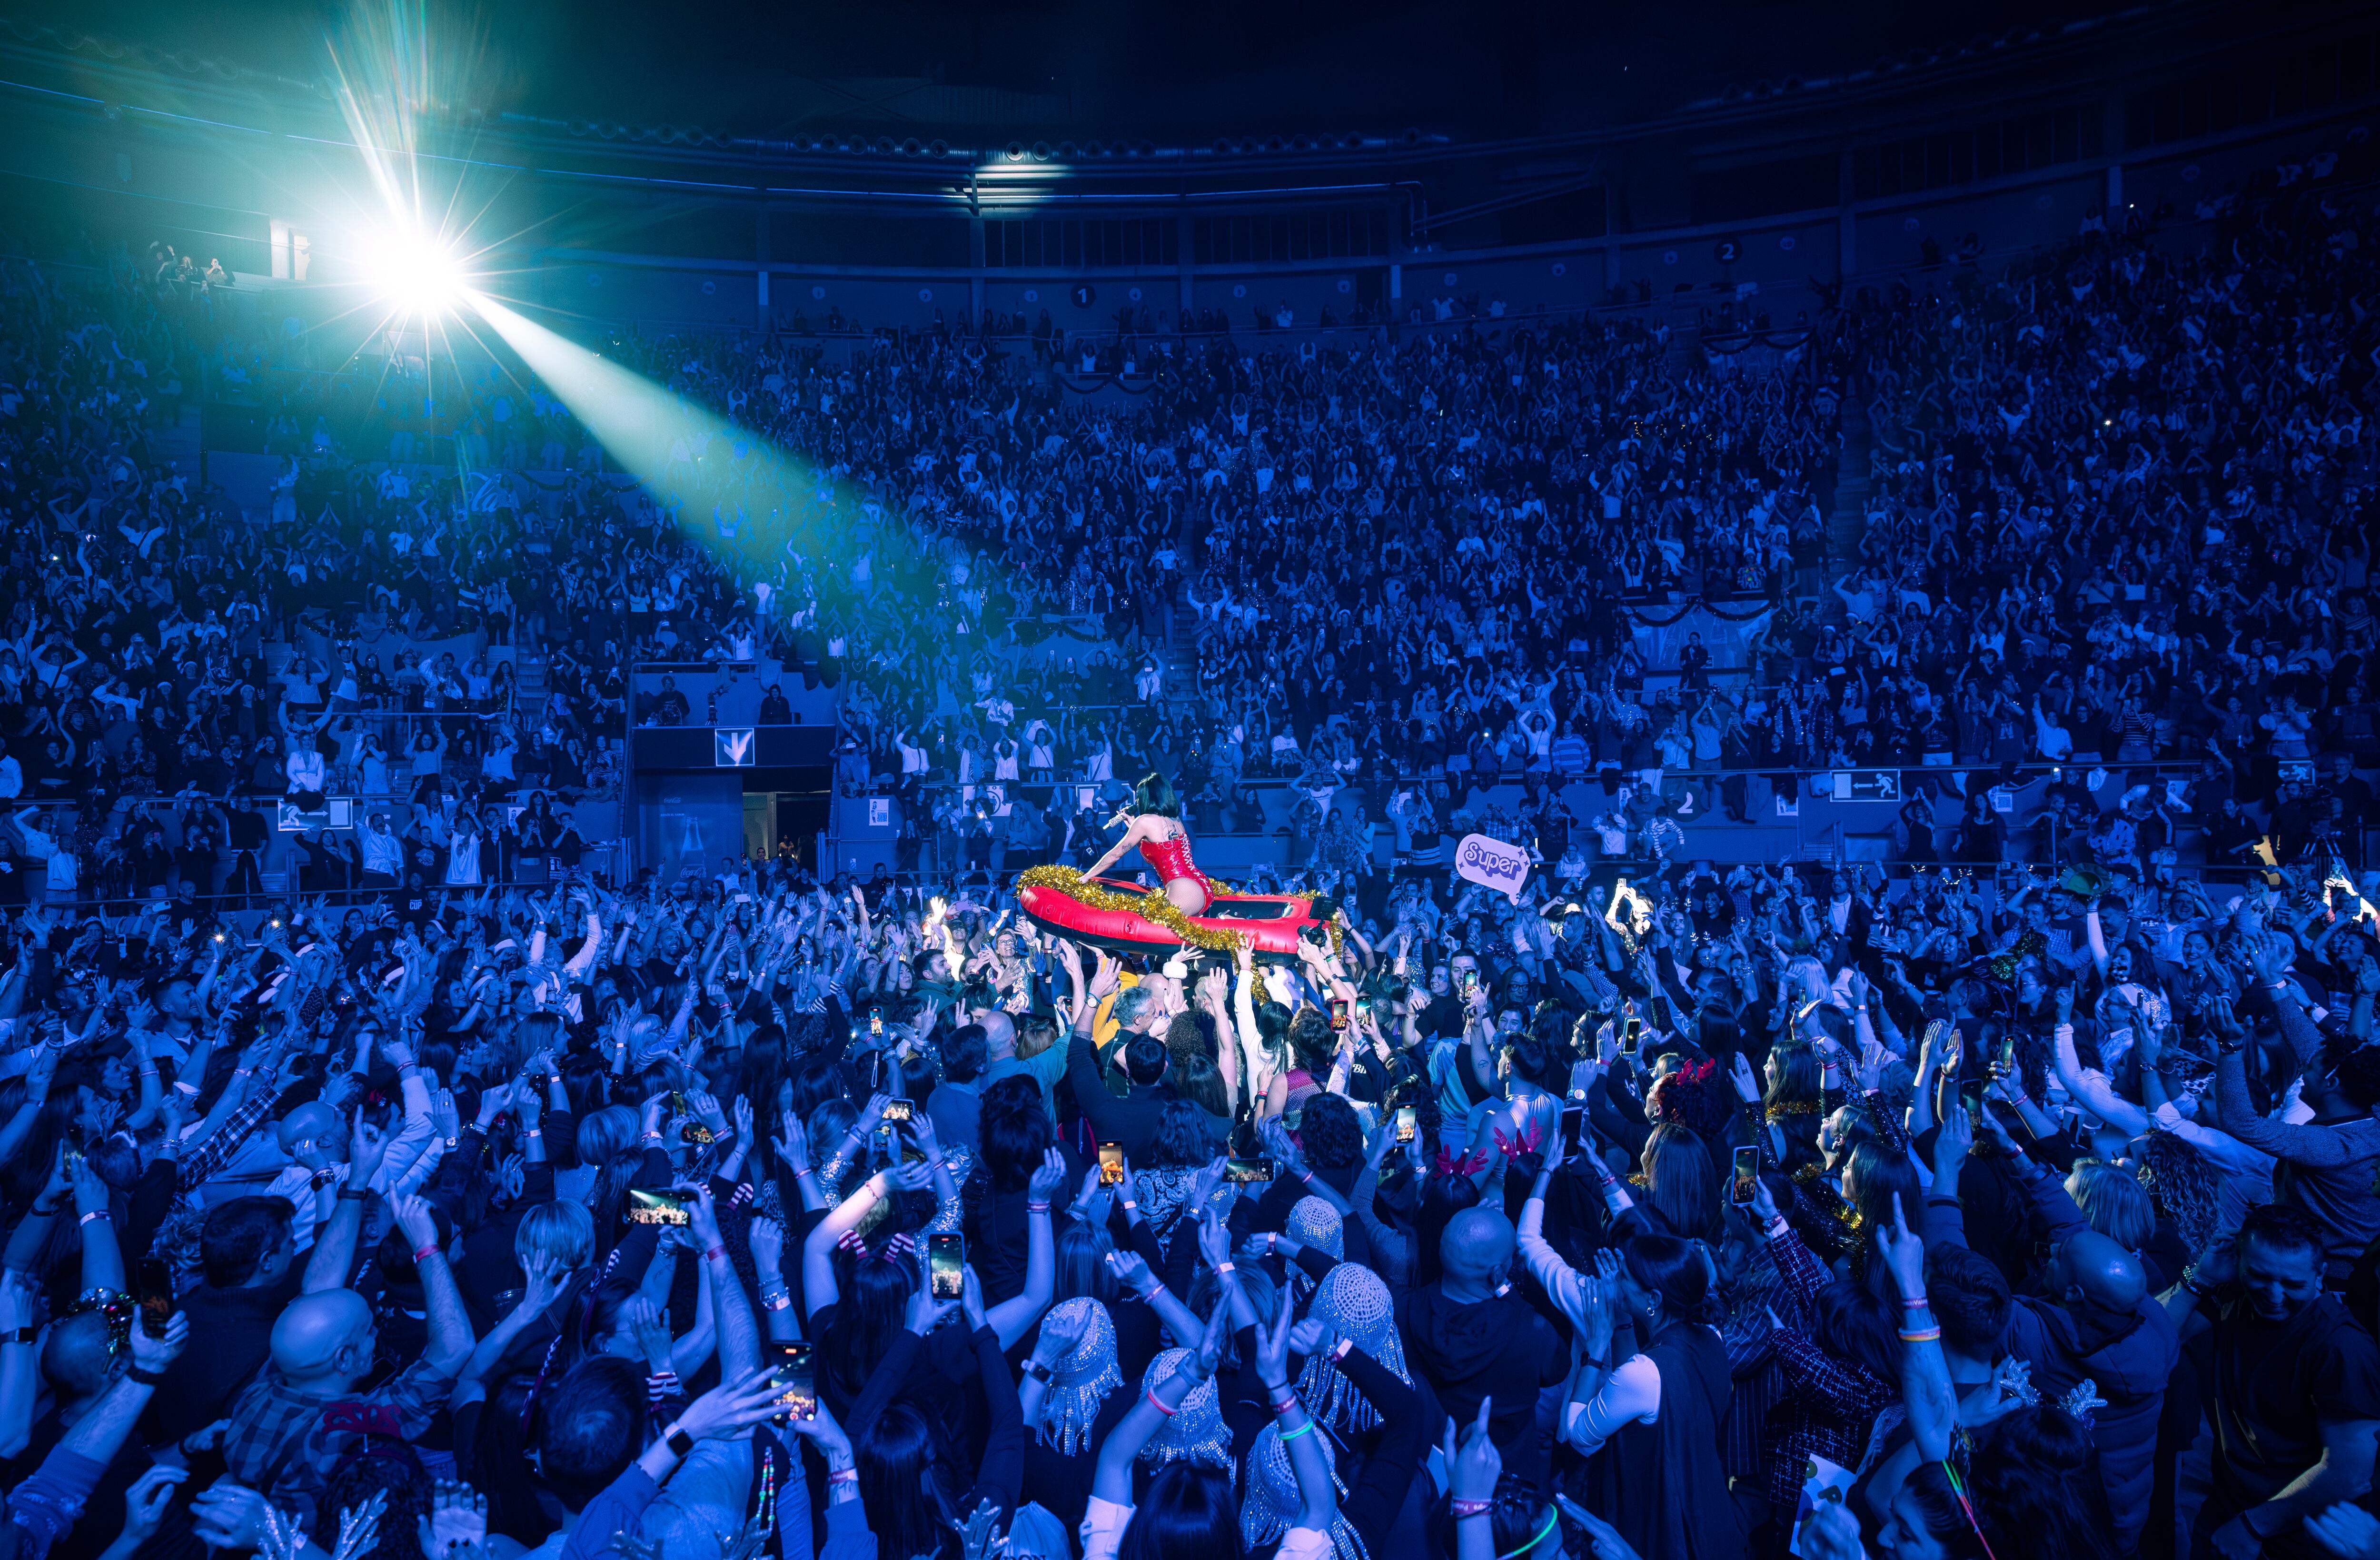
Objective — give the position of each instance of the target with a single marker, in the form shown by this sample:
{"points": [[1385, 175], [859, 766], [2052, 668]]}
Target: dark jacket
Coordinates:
{"points": [[1131, 1119]]}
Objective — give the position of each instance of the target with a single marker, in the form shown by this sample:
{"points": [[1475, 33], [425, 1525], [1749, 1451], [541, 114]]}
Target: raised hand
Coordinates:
{"points": [[1048, 1176], [1903, 1254], [1474, 1465], [145, 1502], [768, 1241], [731, 1406]]}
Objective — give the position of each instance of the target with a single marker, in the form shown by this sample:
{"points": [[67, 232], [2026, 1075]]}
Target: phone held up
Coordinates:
{"points": [[1110, 1164], [946, 1265], [795, 1379], [1747, 1175]]}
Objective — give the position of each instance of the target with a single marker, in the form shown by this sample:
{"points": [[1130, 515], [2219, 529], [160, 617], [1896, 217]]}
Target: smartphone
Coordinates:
{"points": [[156, 1296], [656, 1207], [875, 1031], [1338, 1013], [1629, 1033], [946, 1265], [1246, 1172], [1747, 1175], [1110, 1164], [1363, 1007], [795, 1380], [692, 1131], [2008, 1056], [1573, 1128], [1471, 979], [1406, 1123], [899, 1110]]}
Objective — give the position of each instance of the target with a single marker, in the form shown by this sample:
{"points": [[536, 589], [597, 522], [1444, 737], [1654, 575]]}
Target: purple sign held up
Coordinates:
{"points": [[1491, 863]]}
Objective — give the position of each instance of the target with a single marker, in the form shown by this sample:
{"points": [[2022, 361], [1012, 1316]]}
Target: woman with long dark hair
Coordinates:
{"points": [[1659, 1413], [1156, 833]]}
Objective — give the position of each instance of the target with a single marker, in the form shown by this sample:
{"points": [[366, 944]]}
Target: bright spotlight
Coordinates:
{"points": [[417, 275]]}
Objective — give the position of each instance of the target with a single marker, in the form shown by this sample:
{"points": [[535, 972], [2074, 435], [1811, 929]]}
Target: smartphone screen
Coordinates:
{"points": [[1406, 1123], [156, 1296], [875, 1029], [1629, 1033], [656, 1207], [1247, 1170], [1337, 1014], [1110, 1164], [2008, 1056], [946, 1265], [1747, 1175], [1471, 979], [795, 1380], [899, 1110], [1574, 1125]]}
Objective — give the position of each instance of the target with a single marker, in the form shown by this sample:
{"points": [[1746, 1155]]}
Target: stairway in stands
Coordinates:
{"points": [[178, 444], [1847, 524]]}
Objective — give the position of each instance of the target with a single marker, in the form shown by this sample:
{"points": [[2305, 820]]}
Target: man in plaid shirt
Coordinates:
{"points": [[289, 1431]]}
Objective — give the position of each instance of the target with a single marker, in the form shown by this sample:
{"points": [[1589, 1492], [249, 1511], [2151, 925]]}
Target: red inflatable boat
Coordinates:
{"points": [[1128, 919]]}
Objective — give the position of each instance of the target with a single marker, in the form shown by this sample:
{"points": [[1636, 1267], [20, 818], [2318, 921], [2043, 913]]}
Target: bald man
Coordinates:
{"points": [[290, 1429], [2095, 1320], [1474, 1337]]}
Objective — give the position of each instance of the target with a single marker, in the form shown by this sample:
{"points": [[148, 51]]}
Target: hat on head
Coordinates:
{"points": [[1080, 1381], [1315, 1223], [1196, 1429], [1274, 1501], [1353, 1303]]}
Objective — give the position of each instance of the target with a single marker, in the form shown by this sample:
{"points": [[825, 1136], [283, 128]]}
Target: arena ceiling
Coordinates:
{"points": [[1477, 69]]}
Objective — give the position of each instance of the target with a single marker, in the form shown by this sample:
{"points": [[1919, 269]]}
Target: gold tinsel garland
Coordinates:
{"points": [[1153, 906]]}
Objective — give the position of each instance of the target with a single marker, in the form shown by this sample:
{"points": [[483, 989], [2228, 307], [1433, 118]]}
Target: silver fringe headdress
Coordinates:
{"points": [[1080, 1381], [1353, 1303]]}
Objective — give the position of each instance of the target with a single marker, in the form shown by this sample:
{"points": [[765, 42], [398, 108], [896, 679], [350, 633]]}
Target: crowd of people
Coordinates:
{"points": [[1941, 1210]]}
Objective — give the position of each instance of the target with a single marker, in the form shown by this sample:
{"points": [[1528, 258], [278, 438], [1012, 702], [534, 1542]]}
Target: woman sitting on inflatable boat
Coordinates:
{"points": [[1156, 831]]}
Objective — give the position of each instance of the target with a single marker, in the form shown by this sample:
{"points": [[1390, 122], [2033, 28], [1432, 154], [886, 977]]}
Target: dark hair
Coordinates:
{"points": [[1145, 1059], [1678, 1271], [1187, 1513], [1970, 1299], [2280, 1228], [589, 1428], [966, 1053], [874, 1295], [1879, 1174], [1853, 1323], [1940, 1513], [1311, 1039], [1014, 1131], [1682, 1186], [2358, 1074], [1542, 1061], [2037, 1488], [1198, 1080], [896, 1455], [1155, 794], [237, 1235], [380, 1464], [1190, 1035], [1183, 1139], [1329, 1132]]}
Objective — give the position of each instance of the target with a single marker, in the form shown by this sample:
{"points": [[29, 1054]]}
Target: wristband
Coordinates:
{"points": [[146, 1377], [1031, 1207], [1342, 1348], [1130, 1205], [1924, 1336], [1222, 1268], [781, 1301], [1285, 1405], [49, 1213], [19, 1335], [842, 1476], [426, 1253], [1151, 1395], [532, 1132], [146, 1072], [1289, 1435], [190, 1088], [1470, 1508], [714, 1252], [87, 1218], [1918, 1303], [353, 1194]]}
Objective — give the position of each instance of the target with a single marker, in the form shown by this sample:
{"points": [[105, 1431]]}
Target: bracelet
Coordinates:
{"points": [[1342, 1348], [1130, 1205], [1289, 1435], [680, 1444], [1925, 1336], [146, 1377], [781, 1300], [426, 1253], [715, 1252], [354, 1194], [1031, 1207], [49, 1213], [1918, 1303], [1470, 1508], [533, 1132], [101, 1214], [1222, 1268], [24, 1335], [1151, 1395], [1156, 1287], [146, 1072], [842, 1476], [1039, 1372], [1286, 1404]]}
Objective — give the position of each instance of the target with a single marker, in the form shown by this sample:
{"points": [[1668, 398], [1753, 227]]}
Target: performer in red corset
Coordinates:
{"points": [[1157, 831]]}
